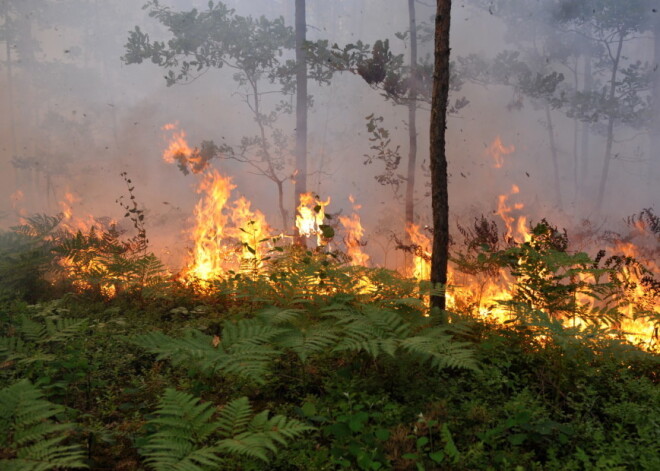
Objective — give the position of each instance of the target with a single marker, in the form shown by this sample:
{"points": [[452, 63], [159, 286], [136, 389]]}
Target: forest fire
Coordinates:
{"points": [[230, 237], [82, 263]]}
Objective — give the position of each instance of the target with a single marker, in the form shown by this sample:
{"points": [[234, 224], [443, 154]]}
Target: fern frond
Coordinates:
{"points": [[247, 332], [262, 437], [310, 340], [28, 432], [30, 330], [436, 346], [278, 316], [194, 345], [184, 426], [373, 330], [244, 359], [62, 329], [234, 417]]}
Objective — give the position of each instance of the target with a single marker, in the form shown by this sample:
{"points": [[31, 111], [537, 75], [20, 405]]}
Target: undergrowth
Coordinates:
{"points": [[311, 364]]}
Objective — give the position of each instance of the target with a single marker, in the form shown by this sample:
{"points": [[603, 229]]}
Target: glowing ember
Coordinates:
{"points": [[311, 213], [354, 234], [497, 151]]}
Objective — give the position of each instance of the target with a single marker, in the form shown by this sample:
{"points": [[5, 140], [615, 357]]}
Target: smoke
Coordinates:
{"points": [[75, 116]]}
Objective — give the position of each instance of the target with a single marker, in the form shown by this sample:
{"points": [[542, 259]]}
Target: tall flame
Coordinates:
{"points": [[421, 268], [354, 233], [208, 253], [310, 216]]}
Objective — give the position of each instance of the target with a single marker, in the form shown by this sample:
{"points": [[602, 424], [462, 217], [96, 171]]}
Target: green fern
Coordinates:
{"points": [[371, 329], [439, 348], [308, 341], [187, 437], [29, 439], [258, 438], [183, 427], [33, 336], [242, 356]]}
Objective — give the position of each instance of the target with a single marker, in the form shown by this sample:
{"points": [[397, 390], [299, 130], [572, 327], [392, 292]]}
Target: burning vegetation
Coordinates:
{"points": [[152, 336]]}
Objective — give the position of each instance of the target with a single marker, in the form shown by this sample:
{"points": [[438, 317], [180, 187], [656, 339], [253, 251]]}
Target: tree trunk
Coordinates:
{"points": [[654, 154], [439, 181], [586, 131], [301, 111], [10, 92], [555, 156], [412, 125], [610, 127]]}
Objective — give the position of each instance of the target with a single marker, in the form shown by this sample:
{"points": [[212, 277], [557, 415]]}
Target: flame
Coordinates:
{"points": [[497, 151], [227, 236], [354, 233], [252, 230], [504, 212], [177, 145], [86, 266], [421, 267], [310, 216], [209, 251]]}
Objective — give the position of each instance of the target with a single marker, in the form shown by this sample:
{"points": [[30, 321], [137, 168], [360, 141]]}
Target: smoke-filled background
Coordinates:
{"points": [[564, 92]]}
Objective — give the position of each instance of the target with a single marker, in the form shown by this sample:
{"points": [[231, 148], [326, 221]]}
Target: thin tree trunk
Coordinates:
{"points": [[654, 154], [610, 127], [438, 157], [586, 130], [271, 173], [555, 156], [576, 136], [301, 111], [10, 92], [412, 125]]}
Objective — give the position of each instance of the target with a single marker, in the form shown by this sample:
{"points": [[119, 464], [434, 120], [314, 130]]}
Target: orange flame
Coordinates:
{"points": [[504, 211], [421, 268], [354, 234], [497, 151], [177, 146], [310, 216], [208, 253]]}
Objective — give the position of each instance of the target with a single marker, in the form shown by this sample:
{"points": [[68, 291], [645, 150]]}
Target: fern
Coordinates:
{"points": [[437, 347], [258, 438], [373, 330], [187, 437], [29, 439], [242, 357], [32, 337], [183, 427], [307, 341]]}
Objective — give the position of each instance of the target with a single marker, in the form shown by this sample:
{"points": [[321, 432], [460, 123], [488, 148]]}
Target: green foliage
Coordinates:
{"points": [[25, 257], [188, 436], [35, 337], [30, 438], [238, 354]]}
